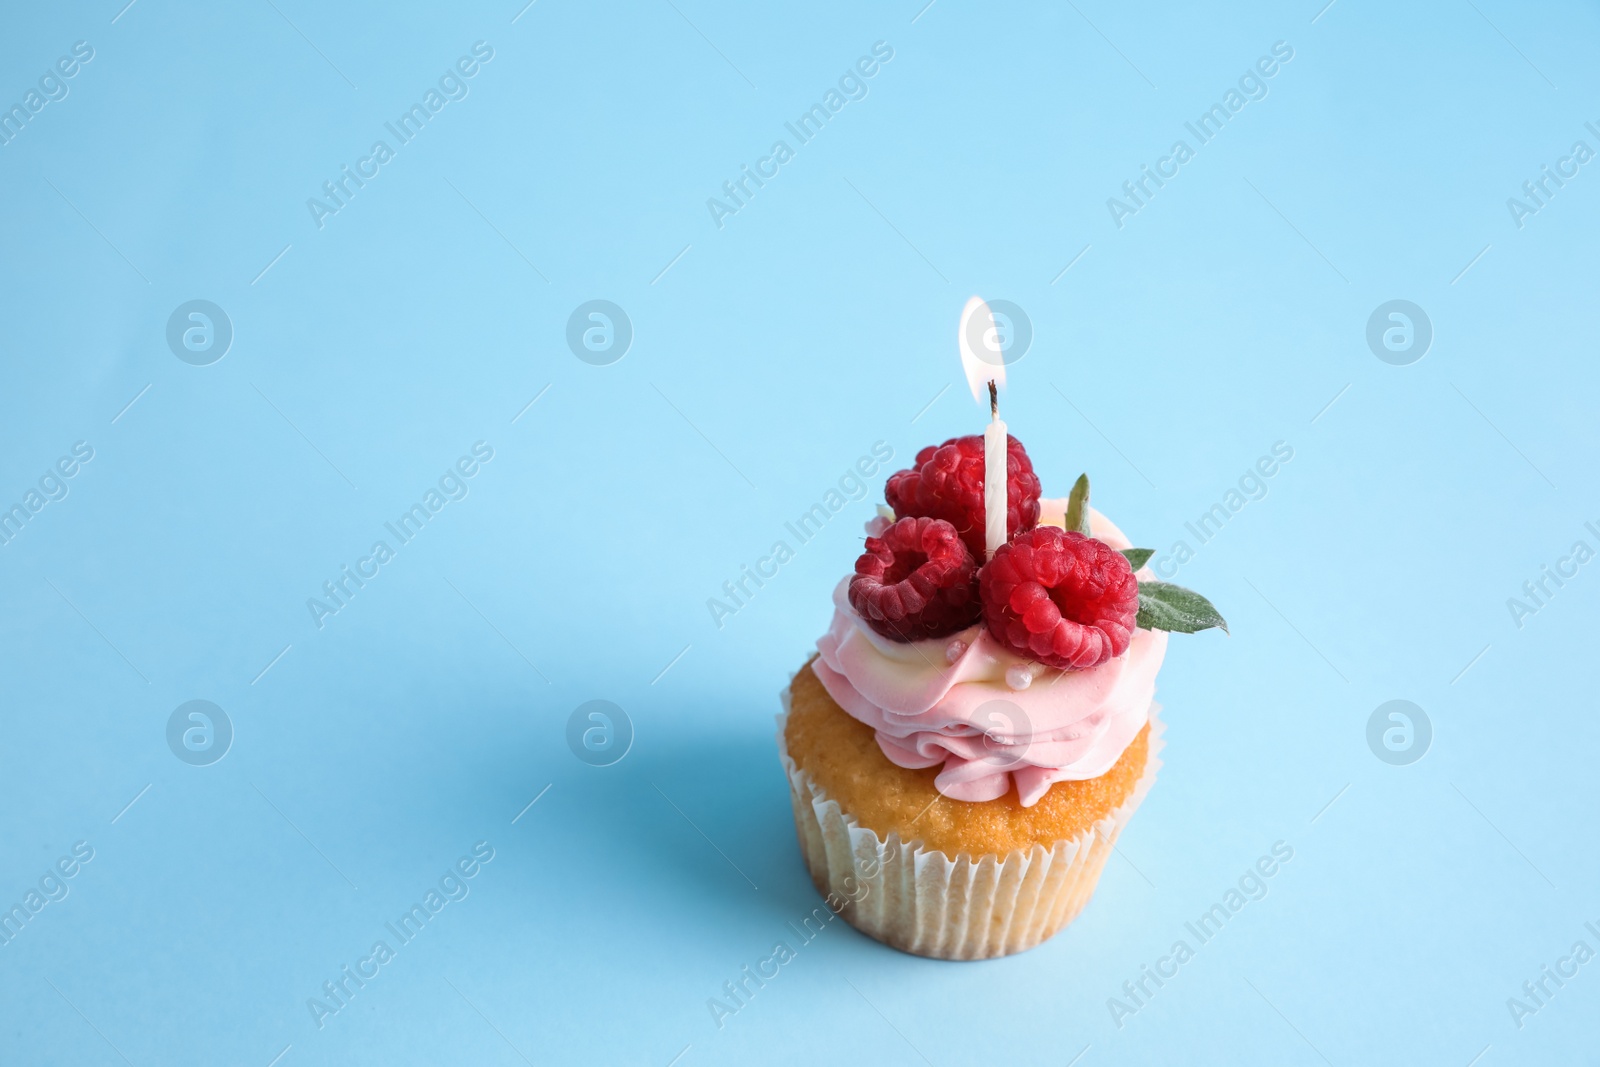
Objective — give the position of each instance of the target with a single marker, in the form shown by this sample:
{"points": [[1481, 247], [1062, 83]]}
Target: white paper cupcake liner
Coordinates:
{"points": [[921, 901]]}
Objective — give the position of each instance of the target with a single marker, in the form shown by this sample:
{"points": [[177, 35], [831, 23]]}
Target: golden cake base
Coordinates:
{"points": [[939, 877]]}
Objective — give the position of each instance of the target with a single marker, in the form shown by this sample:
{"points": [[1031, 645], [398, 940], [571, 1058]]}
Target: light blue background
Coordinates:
{"points": [[1225, 316]]}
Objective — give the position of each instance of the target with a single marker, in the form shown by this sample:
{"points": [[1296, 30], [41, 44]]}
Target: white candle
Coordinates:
{"points": [[994, 477], [982, 363]]}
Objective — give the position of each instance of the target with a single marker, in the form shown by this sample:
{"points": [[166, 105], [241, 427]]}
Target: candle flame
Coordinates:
{"points": [[978, 339]]}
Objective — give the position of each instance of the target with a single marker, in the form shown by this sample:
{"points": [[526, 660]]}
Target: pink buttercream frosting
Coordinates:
{"points": [[990, 717]]}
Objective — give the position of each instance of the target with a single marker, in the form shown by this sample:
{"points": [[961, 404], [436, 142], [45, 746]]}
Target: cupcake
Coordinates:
{"points": [[978, 723]]}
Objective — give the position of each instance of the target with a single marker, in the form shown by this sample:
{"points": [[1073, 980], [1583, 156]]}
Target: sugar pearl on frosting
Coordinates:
{"points": [[1019, 676], [954, 650]]}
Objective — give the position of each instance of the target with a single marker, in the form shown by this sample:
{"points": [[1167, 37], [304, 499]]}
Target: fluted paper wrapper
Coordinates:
{"points": [[921, 901]]}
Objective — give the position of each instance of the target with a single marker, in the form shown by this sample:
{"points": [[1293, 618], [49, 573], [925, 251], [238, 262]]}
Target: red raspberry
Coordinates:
{"points": [[1066, 600], [947, 483], [916, 580]]}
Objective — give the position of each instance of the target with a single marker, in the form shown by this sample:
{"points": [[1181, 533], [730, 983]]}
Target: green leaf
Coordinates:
{"points": [[1164, 606], [1138, 557], [1078, 506]]}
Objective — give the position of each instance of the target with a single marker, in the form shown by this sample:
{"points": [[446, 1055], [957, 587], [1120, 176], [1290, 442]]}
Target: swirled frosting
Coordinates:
{"points": [[991, 718]]}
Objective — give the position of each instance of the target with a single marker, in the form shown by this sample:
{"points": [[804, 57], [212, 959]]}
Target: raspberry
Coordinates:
{"points": [[916, 580], [947, 483], [1066, 600]]}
